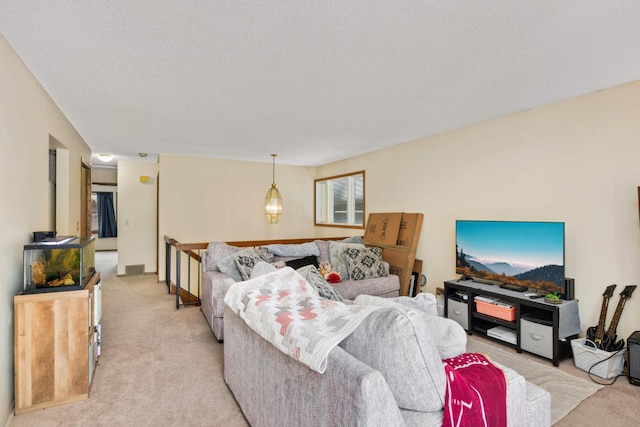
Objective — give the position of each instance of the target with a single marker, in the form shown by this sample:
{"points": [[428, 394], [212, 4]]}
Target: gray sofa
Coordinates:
{"points": [[405, 387], [215, 283]]}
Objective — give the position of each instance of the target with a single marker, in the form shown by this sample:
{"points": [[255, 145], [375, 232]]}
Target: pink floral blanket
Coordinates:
{"points": [[283, 308], [476, 392]]}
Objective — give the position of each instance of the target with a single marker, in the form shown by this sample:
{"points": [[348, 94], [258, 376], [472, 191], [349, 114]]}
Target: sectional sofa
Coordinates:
{"points": [[222, 266], [388, 372]]}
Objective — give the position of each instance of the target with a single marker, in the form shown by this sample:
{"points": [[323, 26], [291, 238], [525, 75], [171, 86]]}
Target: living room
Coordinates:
{"points": [[573, 161]]}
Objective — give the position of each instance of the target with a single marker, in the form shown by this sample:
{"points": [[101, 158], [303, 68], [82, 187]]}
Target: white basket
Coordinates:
{"points": [[587, 356]]}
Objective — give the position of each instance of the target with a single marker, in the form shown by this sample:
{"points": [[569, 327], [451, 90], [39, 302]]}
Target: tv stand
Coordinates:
{"points": [[540, 328]]}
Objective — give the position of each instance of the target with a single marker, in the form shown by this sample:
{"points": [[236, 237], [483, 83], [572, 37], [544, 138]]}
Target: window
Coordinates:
{"points": [[339, 200]]}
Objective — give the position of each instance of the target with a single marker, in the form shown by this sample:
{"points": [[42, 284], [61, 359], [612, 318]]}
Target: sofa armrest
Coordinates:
{"points": [[273, 389], [516, 396]]}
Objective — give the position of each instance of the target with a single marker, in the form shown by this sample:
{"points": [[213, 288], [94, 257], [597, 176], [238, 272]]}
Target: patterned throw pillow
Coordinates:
{"points": [[245, 261], [365, 263], [228, 265]]}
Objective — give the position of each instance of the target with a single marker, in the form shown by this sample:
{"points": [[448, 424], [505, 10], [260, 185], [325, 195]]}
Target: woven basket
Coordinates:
{"points": [[587, 357]]}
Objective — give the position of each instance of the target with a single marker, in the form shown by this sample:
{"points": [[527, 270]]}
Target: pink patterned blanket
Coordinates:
{"points": [[476, 392], [283, 308]]}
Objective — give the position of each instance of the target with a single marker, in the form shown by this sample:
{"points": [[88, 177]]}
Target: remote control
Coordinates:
{"points": [[536, 296]]}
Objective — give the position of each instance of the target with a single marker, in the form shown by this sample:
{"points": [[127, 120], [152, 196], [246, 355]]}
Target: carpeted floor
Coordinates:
{"points": [[163, 367]]}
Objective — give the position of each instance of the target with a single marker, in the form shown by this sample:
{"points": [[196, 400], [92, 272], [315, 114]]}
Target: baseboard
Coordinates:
{"points": [[8, 417]]}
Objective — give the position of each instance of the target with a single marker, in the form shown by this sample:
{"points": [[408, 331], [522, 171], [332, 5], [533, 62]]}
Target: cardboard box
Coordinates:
{"points": [[409, 233], [397, 234], [493, 310], [382, 229]]}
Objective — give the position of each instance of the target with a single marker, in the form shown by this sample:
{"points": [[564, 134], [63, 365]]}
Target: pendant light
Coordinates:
{"points": [[273, 199]]}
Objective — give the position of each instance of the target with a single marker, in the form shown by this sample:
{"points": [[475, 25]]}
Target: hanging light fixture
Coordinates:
{"points": [[273, 199]]}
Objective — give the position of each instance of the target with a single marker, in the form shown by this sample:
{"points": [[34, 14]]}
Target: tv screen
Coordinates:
{"points": [[529, 254]]}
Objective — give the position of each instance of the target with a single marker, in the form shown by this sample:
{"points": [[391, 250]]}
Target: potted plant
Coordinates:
{"points": [[553, 298]]}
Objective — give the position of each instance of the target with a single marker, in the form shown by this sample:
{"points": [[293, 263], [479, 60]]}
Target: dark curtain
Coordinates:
{"points": [[106, 216]]}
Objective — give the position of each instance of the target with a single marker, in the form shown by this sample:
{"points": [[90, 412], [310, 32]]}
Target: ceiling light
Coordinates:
{"points": [[105, 157], [142, 154], [273, 199]]}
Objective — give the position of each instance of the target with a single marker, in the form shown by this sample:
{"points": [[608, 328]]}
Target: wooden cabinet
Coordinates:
{"points": [[55, 346]]}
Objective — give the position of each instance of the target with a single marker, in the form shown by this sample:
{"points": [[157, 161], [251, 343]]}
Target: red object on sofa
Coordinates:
{"points": [[476, 392], [333, 277]]}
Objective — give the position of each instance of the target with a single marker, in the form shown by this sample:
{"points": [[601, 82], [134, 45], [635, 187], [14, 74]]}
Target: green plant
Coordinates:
{"points": [[554, 296]]}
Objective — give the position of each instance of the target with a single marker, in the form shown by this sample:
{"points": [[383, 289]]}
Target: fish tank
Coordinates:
{"points": [[62, 263]]}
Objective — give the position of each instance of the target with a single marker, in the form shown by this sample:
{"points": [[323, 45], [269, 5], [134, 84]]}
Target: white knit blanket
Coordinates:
{"points": [[283, 308]]}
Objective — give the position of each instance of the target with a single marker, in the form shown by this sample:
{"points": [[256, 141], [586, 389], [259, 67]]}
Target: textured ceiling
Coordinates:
{"points": [[314, 81]]}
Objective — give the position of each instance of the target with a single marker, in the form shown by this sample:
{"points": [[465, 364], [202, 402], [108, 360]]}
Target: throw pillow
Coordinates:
{"points": [[312, 275], [217, 251], [424, 301], [448, 336], [338, 259], [294, 250], [323, 248], [261, 268], [399, 345], [354, 239], [301, 262], [365, 263], [227, 265], [245, 262]]}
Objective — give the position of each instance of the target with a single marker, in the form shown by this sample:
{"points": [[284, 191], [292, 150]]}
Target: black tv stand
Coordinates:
{"points": [[541, 328]]}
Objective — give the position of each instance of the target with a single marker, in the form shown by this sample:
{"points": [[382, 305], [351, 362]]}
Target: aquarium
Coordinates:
{"points": [[59, 264]]}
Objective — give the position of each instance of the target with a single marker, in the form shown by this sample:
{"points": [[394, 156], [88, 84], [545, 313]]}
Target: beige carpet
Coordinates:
{"points": [[567, 391], [162, 367]]}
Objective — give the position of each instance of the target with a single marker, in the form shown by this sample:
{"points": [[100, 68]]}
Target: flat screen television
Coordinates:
{"points": [[523, 253]]}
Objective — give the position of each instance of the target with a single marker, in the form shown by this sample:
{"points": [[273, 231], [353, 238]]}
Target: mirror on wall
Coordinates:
{"points": [[339, 200]]}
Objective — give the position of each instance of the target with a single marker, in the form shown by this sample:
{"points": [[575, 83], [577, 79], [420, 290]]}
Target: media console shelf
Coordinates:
{"points": [[537, 327]]}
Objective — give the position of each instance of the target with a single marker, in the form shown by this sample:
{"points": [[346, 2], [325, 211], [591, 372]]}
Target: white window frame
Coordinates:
{"points": [[324, 201]]}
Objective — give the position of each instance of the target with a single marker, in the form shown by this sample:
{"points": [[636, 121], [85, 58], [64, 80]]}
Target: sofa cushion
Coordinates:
{"points": [[398, 344], [448, 336], [388, 286], [217, 251], [324, 288], [338, 259], [365, 263]]}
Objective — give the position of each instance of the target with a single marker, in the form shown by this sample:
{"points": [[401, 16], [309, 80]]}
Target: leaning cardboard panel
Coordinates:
{"points": [[399, 252], [382, 229]]}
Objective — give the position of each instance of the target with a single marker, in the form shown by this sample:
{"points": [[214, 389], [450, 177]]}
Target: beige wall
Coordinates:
{"points": [[204, 199], [104, 175], [137, 223], [575, 161], [28, 117]]}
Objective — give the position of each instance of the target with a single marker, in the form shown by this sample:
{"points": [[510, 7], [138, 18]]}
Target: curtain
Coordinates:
{"points": [[106, 216]]}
